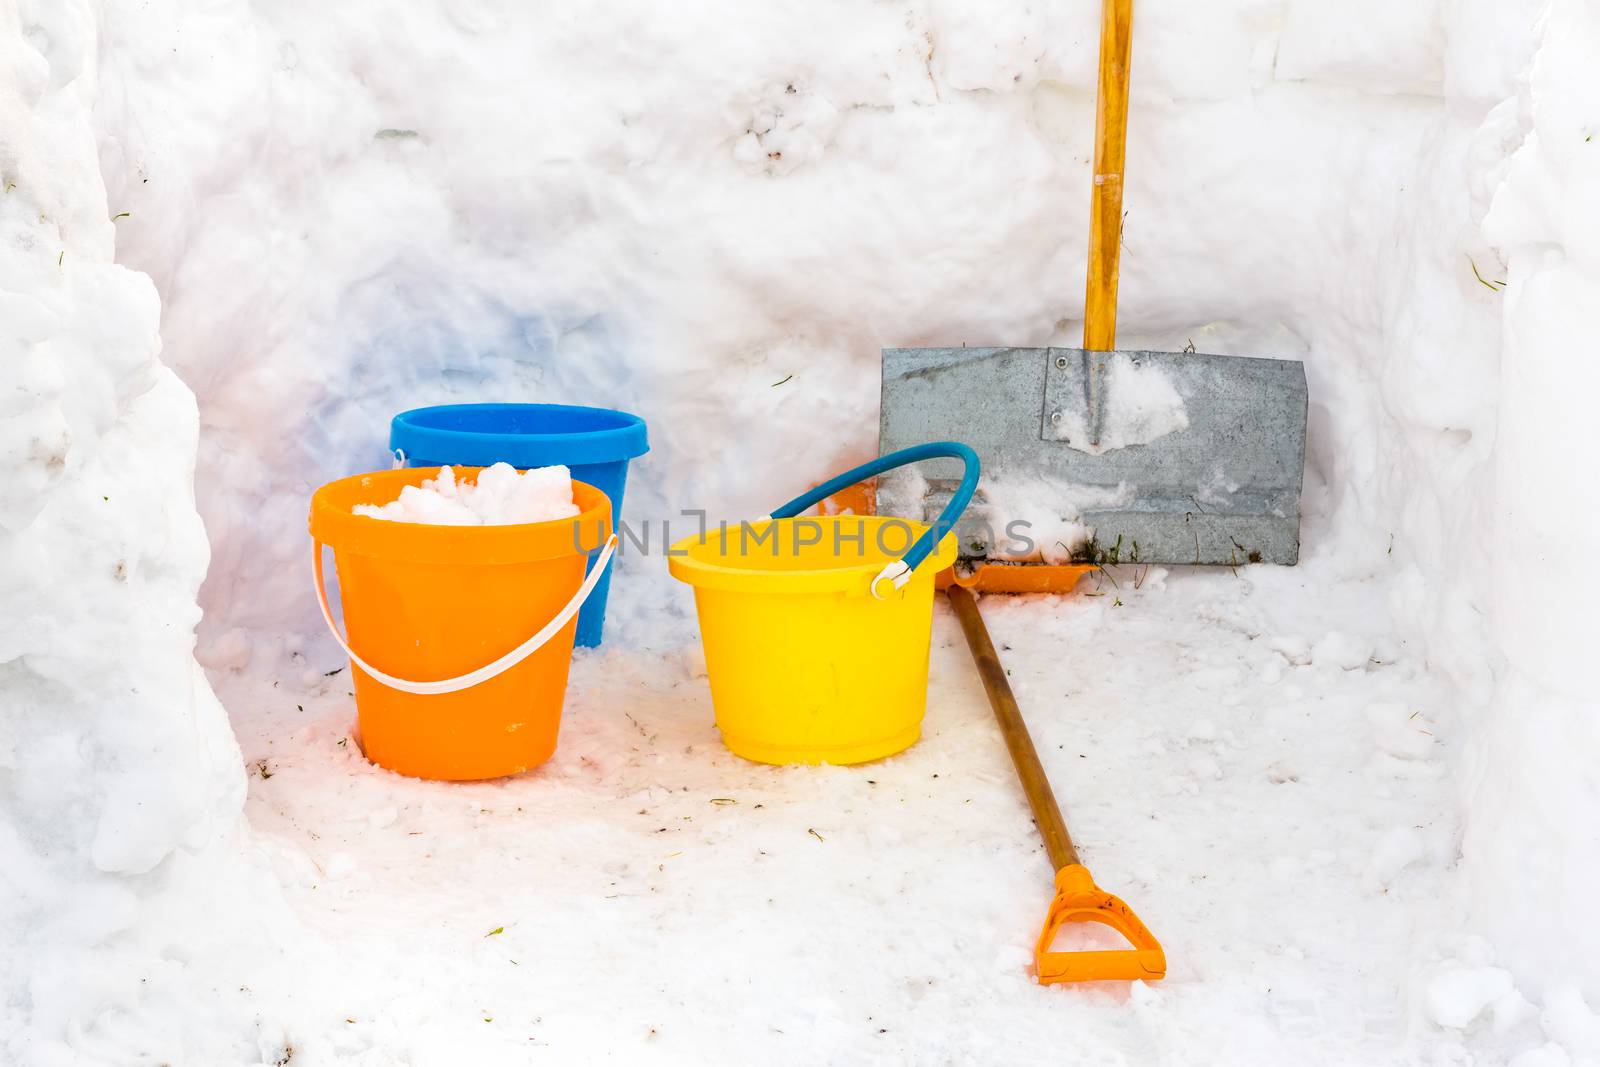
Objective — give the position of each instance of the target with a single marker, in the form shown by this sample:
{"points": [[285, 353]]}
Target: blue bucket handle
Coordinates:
{"points": [[898, 572]]}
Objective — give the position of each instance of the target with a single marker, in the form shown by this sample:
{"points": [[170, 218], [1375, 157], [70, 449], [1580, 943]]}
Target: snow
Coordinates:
{"points": [[1140, 405], [500, 495], [1348, 796], [1346, 651], [1568, 1019], [1532, 770], [1401, 732], [903, 492], [646, 853], [1032, 518], [120, 781], [1012, 517], [1460, 994], [1548, 1055]]}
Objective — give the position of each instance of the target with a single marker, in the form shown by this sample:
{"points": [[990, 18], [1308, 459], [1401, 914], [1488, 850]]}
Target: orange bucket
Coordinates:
{"points": [[449, 683]]}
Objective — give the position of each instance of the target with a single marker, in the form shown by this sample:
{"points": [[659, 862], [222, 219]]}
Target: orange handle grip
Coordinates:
{"points": [[1079, 900]]}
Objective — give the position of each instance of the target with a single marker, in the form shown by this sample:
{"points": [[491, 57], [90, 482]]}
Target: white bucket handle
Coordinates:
{"points": [[484, 673]]}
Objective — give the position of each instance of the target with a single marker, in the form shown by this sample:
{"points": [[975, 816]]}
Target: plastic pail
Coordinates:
{"points": [[817, 628], [806, 665], [448, 681], [595, 443]]}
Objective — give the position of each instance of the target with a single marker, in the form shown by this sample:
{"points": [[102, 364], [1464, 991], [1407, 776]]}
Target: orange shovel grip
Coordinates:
{"points": [[1079, 900]]}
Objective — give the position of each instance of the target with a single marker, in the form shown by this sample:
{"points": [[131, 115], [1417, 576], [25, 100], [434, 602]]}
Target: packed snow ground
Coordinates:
{"points": [[1251, 764]]}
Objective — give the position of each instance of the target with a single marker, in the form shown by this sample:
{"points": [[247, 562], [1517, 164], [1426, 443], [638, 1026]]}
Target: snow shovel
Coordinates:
{"points": [[1157, 457], [1077, 899]]}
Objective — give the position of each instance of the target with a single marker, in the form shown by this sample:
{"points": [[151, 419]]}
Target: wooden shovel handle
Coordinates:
{"points": [[1110, 151], [1046, 812]]}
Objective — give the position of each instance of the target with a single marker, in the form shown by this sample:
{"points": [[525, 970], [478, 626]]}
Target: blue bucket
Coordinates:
{"points": [[595, 443]]}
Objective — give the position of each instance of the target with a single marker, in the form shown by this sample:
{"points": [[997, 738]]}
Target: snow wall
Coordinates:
{"points": [[1533, 836], [348, 210], [120, 781]]}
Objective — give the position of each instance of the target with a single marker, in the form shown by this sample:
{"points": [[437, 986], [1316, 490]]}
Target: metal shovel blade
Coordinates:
{"points": [[1170, 457]]}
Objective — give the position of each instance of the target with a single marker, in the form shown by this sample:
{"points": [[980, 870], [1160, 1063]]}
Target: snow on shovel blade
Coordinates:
{"points": [[1168, 457]]}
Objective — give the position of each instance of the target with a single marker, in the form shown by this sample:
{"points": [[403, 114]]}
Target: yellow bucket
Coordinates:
{"points": [[807, 663]]}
